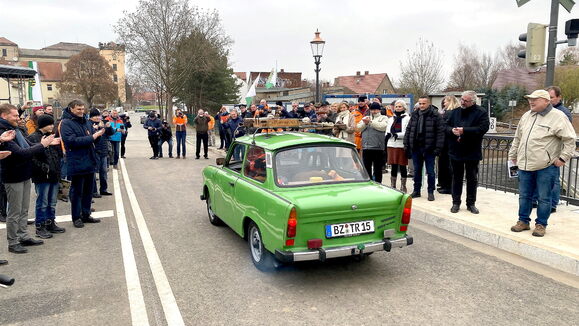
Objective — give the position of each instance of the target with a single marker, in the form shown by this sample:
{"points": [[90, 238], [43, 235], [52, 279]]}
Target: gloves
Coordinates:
{"points": [[395, 136]]}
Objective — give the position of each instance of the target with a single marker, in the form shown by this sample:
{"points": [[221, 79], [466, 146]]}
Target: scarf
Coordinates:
{"points": [[397, 125], [20, 140]]}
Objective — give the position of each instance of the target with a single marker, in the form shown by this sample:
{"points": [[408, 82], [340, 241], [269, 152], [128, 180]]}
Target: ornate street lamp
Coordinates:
{"points": [[317, 45]]}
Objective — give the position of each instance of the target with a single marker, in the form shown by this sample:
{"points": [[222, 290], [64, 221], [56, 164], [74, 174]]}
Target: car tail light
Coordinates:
{"points": [[406, 214], [314, 243], [292, 223], [289, 242]]}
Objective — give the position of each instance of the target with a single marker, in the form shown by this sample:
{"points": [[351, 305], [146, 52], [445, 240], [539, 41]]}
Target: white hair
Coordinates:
{"points": [[472, 95], [403, 103]]}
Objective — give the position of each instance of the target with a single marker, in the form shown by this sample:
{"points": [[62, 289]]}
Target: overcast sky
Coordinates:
{"points": [[360, 35]]}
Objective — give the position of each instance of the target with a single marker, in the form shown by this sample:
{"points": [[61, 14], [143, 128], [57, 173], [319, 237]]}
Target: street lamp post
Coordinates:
{"points": [[317, 45]]}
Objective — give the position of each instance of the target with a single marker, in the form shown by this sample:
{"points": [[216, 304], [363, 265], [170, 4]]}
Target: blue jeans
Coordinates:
{"points": [[170, 142], [419, 158], [116, 148], [181, 145], [102, 166], [541, 180], [555, 192], [45, 201]]}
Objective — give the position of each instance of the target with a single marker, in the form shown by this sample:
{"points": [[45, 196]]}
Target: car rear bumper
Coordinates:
{"points": [[322, 254]]}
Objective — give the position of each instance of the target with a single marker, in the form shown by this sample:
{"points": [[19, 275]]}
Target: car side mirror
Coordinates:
{"points": [[220, 161]]}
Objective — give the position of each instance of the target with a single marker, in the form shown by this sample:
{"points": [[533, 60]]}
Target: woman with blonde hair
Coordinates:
{"points": [[449, 103], [344, 125]]}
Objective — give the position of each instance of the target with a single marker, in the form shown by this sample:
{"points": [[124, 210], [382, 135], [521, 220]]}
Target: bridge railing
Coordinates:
{"points": [[493, 171]]}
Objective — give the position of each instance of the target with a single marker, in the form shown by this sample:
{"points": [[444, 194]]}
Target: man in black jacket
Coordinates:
{"points": [[465, 128], [78, 139], [127, 124], [153, 126], [16, 174], [165, 135], [45, 176], [101, 145], [423, 141]]}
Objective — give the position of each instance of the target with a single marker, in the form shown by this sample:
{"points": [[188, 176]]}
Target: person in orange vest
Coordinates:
{"points": [[210, 130], [359, 112]]}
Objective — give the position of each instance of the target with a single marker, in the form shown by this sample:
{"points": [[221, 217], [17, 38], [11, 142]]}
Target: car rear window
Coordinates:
{"points": [[318, 164]]}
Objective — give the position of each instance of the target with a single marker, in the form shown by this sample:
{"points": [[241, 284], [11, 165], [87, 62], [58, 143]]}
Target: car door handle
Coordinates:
{"points": [[231, 183]]}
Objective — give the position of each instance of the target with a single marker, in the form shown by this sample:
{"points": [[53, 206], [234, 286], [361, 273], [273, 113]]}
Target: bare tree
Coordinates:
{"points": [[488, 71], [466, 67], [421, 71], [568, 56], [508, 56], [151, 34]]}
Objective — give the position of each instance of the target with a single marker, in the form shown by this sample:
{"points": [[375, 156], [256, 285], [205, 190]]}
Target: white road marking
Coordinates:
{"points": [[136, 299], [68, 218], [170, 308]]}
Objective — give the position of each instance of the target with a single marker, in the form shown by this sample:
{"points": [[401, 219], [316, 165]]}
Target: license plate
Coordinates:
{"points": [[349, 229]]}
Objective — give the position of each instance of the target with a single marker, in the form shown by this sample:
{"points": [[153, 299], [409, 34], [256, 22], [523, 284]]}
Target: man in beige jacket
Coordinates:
{"points": [[544, 141]]}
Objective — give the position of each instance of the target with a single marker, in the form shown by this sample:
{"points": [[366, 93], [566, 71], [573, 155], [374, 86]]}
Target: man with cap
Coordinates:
{"points": [[16, 171], [242, 110], [543, 142], [373, 127], [45, 176], [359, 112], [310, 113]]}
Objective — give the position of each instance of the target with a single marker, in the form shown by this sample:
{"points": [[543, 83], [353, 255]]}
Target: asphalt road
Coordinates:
{"points": [[187, 271]]}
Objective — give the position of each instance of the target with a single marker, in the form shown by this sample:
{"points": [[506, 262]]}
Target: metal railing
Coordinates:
{"points": [[493, 172]]}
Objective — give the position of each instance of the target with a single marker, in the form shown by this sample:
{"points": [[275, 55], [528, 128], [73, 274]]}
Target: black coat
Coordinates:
{"points": [[46, 164], [434, 131], [76, 134], [475, 122], [18, 166], [165, 133], [101, 144]]}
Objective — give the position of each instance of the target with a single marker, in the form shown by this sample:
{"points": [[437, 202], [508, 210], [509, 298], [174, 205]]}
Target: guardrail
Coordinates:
{"points": [[493, 172]]}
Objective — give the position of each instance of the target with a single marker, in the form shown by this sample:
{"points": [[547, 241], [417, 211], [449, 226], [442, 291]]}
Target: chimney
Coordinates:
{"points": [[366, 72], [357, 73], [281, 71]]}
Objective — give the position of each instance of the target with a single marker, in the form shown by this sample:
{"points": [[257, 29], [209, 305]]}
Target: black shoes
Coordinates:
{"points": [[53, 228], [415, 194], [90, 219], [2, 218], [553, 210], [430, 196], [96, 195], [444, 191], [106, 193], [17, 249], [41, 232], [206, 157], [31, 242], [472, 209], [455, 208], [170, 156], [197, 157], [78, 223], [3, 262], [123, 157], [153, 158]]}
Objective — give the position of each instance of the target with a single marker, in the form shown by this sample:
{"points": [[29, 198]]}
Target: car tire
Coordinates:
{"points": [[263, 260], [213, 219]]}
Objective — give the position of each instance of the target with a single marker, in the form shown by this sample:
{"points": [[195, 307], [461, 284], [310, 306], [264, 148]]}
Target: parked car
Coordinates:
{"points": [[144, 118], [301, 196]]}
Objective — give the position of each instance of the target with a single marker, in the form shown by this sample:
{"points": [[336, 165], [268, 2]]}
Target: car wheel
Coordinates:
{"points": [[261, 257], [213, 219]]}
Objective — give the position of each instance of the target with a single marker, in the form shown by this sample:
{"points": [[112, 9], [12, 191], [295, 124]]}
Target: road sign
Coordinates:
{"points": [[512, 103], [522, 2], [492, 125], [567, 4]]}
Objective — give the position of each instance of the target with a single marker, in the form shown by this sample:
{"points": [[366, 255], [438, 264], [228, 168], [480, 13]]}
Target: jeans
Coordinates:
{"points": [[45, 201], [459, 168], [541, 180], [102, 170], [373, 162], [420, 158], [123, 140], [181, 137], [81, 195], [63, 169], [170, 142], [201, 137], [18, 203], [555, 192], [116, 146], [154, 142]]}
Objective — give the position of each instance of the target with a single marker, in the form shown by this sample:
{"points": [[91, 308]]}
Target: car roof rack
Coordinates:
{"points": [[273, 125]]}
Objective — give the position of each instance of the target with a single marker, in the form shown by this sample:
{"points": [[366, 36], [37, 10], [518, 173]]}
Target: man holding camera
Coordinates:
{"points": [[118, 126], [165, 135], [127, 123], [101, 151], [153, 125], [180, 122], [202, 127]]}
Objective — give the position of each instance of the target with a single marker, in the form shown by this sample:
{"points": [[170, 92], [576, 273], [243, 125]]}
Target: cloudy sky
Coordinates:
{"points": [[360, 35]]}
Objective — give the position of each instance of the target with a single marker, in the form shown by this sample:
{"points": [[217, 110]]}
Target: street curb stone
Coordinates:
{"points": [[518, 247]]}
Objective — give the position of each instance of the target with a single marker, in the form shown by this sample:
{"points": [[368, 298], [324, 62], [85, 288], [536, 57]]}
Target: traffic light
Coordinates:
{"points": [[32, 82], [535, 37]]}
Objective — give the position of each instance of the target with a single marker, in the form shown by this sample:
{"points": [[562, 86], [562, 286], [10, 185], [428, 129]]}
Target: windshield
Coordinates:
{"points": [[318, 164]]}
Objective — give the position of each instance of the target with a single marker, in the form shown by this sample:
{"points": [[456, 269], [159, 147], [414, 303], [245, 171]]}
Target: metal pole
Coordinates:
{"points": [[317, 70], [552, 47], [9, 94]]}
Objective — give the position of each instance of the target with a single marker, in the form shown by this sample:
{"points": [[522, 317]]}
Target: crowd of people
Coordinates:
{"points": [[62, 158]]}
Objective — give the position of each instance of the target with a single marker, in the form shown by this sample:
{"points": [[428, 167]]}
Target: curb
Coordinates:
{"points": [[551, 258]]}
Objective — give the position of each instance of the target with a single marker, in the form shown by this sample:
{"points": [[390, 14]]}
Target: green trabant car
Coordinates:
{"points": [[302, 196]]}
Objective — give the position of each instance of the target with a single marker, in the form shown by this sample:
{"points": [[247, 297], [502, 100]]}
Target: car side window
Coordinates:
{"points": [[254, 166], [235, 160]]}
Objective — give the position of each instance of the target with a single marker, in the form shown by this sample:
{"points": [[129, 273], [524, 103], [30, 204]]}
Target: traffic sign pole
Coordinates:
{"points": [[552, 46]]}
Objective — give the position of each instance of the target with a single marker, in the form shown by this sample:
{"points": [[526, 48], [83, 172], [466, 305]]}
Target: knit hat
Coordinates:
{"points": [[45, 120], [94, 113], [375, 106], [362, 99], [36, 108]]}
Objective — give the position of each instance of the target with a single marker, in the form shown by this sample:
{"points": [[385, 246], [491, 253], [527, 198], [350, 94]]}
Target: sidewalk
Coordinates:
{"points": [[559, 248]]}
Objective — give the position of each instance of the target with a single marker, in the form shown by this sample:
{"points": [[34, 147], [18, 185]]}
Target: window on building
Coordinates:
{"points": [[115, 78], [114, 66], [4, 52], [48, 87]]}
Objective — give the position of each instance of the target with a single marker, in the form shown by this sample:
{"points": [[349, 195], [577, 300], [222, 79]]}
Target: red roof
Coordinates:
{"points": [[5, 41], [367, 83], [146, 96], [520, 76], [50, 71]]}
